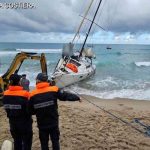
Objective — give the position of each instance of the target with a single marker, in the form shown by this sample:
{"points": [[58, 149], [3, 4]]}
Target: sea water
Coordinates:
{"points": [[122, 71]]}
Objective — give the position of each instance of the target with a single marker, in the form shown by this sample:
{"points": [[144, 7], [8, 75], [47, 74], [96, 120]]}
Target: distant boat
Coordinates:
{"points": [[108, 47]]}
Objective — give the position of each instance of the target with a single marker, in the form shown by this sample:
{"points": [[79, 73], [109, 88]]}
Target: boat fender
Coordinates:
{"points": [[72, 67]]}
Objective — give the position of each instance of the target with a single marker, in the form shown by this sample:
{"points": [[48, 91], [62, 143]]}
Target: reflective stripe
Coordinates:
{"points": [[9, 106], [44, 104]]}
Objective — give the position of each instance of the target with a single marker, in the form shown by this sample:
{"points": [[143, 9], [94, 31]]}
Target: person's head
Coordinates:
{"points": [[14, 79], [41, 77], [23, 76]]}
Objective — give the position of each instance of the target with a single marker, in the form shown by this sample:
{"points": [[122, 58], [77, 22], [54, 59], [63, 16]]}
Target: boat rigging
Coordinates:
{"points": [[76, 66]]}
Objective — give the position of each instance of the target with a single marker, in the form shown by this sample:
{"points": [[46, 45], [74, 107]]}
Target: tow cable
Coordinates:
{"points": [[146, 127], [147, 133]]}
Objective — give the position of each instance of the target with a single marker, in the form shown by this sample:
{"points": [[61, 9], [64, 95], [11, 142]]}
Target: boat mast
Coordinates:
{"points": [[83, 20], [87, 34]]}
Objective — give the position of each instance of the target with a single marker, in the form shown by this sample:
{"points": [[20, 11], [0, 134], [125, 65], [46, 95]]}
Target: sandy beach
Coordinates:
{"points": [[84, 126]]}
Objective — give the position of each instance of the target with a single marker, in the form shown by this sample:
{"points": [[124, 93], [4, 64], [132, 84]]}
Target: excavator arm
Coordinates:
{"points": [[16, 64]]}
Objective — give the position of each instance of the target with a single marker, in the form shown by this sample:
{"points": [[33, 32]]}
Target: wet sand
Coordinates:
{"points": [[84, 126]]}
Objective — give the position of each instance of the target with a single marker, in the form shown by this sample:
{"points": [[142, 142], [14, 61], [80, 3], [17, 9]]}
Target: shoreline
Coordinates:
{"points": [[112, 103], [84, 126]]}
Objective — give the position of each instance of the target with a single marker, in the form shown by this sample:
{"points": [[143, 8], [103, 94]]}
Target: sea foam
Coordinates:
{"points": [[6, 53], [40, 50], [144, 63], [122, 93]]}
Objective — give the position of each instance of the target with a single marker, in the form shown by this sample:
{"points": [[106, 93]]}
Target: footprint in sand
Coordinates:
{"points": [[129, 108], [121, 104], [126, 107]]}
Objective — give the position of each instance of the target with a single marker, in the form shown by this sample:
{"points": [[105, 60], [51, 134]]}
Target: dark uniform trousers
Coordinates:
{"points": [[44, 138], [21, 132], [22, 141]]}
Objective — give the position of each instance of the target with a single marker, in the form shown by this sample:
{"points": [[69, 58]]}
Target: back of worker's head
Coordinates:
{"points": [[14, 79], [23, 76], [42, 77]]}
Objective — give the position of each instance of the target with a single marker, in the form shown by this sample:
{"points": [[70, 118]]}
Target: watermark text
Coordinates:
{"points": [[17, 5]]}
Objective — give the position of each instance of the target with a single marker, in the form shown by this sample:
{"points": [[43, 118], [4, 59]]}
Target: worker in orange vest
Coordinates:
{"points": [[43, 103], [15, 102]]}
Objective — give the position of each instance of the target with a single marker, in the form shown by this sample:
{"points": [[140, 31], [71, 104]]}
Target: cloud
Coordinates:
{"points": [[48, 16], [61, 17], [127, 16]]}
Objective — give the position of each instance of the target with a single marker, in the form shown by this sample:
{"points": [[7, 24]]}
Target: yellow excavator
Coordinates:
{"points": [[16, 64]]}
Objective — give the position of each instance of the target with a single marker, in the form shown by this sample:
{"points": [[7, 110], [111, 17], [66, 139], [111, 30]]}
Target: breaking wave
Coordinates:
{"points": [[40, 50], [144, 63]]}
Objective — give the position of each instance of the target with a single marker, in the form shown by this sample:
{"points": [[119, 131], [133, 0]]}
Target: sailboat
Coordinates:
{"points": [[75, 66]]}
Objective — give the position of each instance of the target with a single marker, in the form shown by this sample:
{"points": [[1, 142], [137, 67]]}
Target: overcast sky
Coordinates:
{"points": [[124, 21]]}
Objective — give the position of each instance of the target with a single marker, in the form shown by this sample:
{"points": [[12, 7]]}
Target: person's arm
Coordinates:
{"points": [[67, 96]]}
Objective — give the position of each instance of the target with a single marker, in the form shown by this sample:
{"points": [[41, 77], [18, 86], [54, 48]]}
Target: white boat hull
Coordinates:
{"points": [[64, 80], [74, 68]]}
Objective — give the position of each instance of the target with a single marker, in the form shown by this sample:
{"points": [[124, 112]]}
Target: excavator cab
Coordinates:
{"points": [[16, 65]]}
